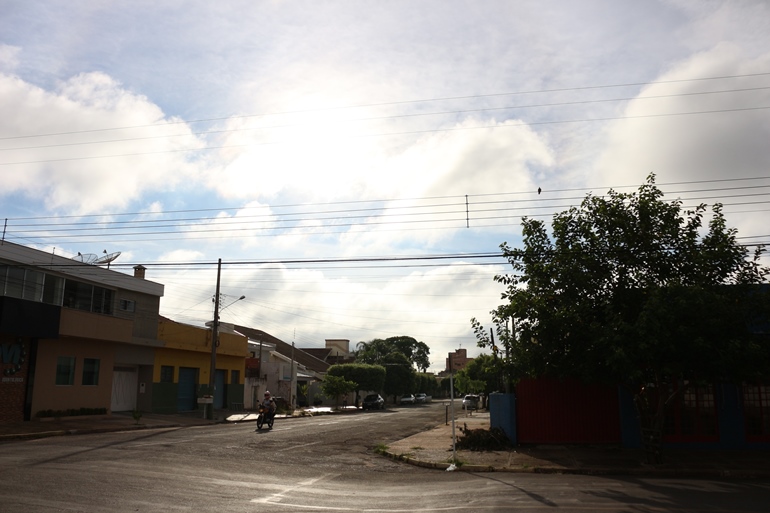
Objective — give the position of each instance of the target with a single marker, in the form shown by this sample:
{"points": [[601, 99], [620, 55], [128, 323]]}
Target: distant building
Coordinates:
{"points": [[337, 351], [457, 360]]}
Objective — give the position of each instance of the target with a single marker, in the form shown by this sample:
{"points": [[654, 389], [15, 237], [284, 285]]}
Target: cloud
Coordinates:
{"points": [[9, 57], [63, 147], [669, 137]]}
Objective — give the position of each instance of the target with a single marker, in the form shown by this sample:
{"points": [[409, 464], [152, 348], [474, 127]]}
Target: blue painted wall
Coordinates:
{"points": [[502, 414]]}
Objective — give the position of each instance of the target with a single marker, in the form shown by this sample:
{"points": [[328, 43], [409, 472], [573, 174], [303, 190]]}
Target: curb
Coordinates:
{"points": [[660, 473], [86, 431]]}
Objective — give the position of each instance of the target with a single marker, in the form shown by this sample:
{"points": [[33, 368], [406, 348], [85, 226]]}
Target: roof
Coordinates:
{"points": [[64, 266], [319, 352], [299, 355]]}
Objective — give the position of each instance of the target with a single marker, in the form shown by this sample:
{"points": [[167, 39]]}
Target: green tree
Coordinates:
{"points": [[365, 376], [377, 350], [488, 370], [335, 386], [399, 375], [426, 383], [633, 290], [465, 384]]}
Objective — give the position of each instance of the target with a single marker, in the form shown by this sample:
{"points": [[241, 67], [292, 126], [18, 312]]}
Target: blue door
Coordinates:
{"points": [[187, 399]]}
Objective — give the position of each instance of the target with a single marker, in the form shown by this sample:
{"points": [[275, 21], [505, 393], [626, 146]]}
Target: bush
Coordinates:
{"points": [[72, 412], [493, 439]]}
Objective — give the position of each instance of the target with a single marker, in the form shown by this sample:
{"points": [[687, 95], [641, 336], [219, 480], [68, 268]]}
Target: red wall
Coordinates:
{"points": [[566, 411]]}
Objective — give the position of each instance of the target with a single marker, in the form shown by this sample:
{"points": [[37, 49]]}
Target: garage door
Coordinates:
{"points": [[124, 384], [187, 399]]}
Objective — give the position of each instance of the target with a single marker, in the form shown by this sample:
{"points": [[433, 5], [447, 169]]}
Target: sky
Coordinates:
{"points": [[356, 165]]}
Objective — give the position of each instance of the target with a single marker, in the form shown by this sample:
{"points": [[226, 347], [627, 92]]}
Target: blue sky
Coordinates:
{"points": [[264, 132]]}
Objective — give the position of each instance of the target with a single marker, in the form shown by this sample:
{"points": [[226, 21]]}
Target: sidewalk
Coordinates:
{"points": [[433, 449]]}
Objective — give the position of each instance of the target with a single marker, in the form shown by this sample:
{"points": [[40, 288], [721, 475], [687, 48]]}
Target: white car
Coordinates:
{"points": [[407, 399], [471, 402], [421, 398]]}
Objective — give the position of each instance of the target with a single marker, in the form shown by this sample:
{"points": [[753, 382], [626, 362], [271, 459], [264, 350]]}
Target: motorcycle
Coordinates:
{"points": [[265, 416]]}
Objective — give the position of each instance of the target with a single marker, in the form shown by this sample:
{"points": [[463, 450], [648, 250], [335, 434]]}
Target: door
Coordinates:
{"points": [[124, 386], [187, 399]]}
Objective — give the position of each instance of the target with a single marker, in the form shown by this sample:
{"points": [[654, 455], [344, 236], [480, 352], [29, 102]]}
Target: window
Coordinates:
{"points": [[83, 296], [756, 404], [166, 374], [78, 295], [65, 370], [692, 415], [127, 305], [53, 287], [33, 285], [90, 371], [14, 283], [102, 302]]}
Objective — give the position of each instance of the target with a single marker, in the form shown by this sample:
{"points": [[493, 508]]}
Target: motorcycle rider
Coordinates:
{"points": [[269, 404]]}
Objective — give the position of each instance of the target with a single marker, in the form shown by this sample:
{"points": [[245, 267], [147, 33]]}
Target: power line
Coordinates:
{"points": [[403, 102], [380, 118], [390, 134]]}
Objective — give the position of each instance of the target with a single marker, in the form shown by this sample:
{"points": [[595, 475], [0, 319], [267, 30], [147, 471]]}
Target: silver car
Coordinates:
{"points": [[471, 402]]}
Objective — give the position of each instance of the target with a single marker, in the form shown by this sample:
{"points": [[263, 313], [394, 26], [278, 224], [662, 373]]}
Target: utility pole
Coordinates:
{"points": [[452, 402], [214, 340]]}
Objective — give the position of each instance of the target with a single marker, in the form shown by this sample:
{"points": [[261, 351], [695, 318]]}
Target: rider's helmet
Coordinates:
{"points": [[267, 394]]}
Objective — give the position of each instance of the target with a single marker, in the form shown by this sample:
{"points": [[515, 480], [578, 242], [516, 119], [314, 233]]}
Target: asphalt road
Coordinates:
{"points": [[324, 463]]}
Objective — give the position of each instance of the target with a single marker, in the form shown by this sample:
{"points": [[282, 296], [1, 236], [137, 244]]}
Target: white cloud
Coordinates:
{"points": [[60, 147]]}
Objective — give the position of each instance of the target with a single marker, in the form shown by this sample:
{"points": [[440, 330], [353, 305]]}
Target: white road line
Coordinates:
{"points": [[277, 497], [296, 446]]}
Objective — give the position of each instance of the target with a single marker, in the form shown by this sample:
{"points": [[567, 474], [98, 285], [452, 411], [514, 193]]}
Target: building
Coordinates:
{"points": [[335, 352], [281, 368], [76, 338], [183, 367], [457, 360]]}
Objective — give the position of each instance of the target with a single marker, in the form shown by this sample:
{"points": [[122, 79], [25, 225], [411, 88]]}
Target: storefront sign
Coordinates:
{"points": [[12, 358]]}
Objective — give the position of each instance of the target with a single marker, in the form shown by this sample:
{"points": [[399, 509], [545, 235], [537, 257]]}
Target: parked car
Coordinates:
{"points": [[471, 402], [407, 399], [421, 398], [373, 402]]}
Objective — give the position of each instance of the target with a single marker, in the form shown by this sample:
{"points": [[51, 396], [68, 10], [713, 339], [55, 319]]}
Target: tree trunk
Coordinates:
{"points": [[650, 405]]}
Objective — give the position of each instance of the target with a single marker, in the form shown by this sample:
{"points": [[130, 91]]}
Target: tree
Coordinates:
{"points": [[633, 291], [377, 350], [486, 370], [365, 376], [426, 383], [399, 375], [335, 386]]}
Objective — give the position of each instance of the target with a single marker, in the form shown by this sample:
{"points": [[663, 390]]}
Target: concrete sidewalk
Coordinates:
{"points": [[433, 449]]}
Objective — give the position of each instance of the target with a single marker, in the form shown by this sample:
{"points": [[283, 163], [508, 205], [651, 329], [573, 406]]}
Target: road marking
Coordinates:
{"points": [[296, 446], [168, 442], [277, 497]]}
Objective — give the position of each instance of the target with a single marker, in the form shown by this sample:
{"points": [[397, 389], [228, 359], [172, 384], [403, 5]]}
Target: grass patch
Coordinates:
{"points": [[457, 462], [381, 449]]}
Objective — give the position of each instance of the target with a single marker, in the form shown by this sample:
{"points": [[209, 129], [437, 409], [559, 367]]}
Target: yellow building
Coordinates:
{"points": [[183, 366]]}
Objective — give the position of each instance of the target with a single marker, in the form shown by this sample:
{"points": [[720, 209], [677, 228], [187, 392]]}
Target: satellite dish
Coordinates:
{"points": [[106, 259], [86, 258]]}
